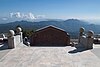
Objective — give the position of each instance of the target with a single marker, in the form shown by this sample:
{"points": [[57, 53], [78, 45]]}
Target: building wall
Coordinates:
{"points": [[50, 37]]}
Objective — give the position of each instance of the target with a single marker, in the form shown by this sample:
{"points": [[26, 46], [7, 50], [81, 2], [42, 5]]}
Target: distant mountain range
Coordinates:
{"points": [[71, 25]]}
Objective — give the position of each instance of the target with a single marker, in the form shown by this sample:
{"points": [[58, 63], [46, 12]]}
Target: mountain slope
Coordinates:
{"points": [[71, 25]]}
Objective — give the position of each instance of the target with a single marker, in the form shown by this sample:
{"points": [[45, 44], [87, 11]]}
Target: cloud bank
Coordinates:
{"points": [[28, 16], [17, 16]]}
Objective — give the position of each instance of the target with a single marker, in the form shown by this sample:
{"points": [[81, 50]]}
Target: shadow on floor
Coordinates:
{"points": [[49, 45], [4, 46], [78, 49]]}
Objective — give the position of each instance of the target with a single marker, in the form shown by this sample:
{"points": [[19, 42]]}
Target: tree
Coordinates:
{"points": [[28, 33]]}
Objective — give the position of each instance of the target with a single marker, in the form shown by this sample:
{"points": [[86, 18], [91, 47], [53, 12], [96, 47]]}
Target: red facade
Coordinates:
{"points": [[50, 36]]}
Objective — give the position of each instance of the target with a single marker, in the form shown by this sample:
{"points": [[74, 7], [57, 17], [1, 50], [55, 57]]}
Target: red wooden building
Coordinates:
{"points": [[50, 36]]}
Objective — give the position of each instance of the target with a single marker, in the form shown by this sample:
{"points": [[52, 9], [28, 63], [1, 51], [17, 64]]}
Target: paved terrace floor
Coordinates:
{"points": [[24, 56]]}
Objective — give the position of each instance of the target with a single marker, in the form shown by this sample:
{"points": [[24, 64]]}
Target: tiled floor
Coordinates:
{"points": [[49, 57]]}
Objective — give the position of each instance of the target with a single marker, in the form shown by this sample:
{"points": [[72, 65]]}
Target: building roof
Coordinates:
{"points": [[51, 26]]}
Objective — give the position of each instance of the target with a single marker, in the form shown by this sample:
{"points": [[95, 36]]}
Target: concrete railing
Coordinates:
{"points": [[14, 39], [86, 40]]}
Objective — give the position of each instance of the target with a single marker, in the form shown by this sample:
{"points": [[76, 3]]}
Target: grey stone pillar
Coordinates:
{"points": [[81, 33], [90, 37], [11, 41], [19, 32]]}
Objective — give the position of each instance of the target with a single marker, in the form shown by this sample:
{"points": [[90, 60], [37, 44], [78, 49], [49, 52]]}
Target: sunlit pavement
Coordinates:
{"points": [[24, 56]]}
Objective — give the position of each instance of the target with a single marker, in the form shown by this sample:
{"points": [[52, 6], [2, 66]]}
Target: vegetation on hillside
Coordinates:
{"points": [[26, 32]]}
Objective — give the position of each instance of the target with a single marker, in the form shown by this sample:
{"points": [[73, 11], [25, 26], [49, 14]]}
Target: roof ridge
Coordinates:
{"points": [[50, 26]]}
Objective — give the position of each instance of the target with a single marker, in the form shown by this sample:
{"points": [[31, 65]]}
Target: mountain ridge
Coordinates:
{"points": [[71, 25]]}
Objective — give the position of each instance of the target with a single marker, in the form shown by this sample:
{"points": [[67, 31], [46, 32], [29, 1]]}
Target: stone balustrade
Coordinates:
{"points": [[86, 40], [14, 39]]}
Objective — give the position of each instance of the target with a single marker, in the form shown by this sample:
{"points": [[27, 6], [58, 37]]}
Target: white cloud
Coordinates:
{"points": [[41, 16], [11, 15], [18, 14], [4, 18], [15, 15], [31, 16], [28, 16]]}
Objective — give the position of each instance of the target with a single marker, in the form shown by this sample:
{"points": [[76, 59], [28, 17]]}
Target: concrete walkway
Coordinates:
{"points": [[49, 57], [96, 50], [3, 50]]}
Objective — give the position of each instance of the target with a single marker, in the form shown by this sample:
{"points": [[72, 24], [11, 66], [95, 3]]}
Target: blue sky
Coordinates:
{"points": [[64, 9]]}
